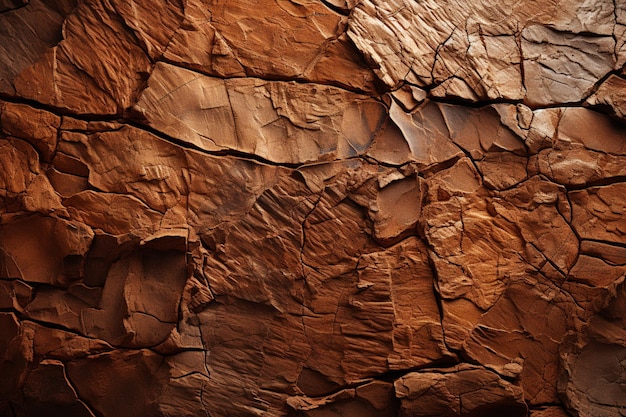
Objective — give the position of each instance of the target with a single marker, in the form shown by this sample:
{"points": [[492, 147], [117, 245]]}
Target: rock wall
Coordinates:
{"points": [[312, 208]]}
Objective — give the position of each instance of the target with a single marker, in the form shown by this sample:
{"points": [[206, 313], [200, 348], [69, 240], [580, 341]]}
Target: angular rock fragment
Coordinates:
{"points": [[397, 209], [573, 165], [28, 28], [593, 362], [426, 135], [59, 344], [59, 245], [529, 348], [460, 50], [474, 250], [613, 255], [292, 123], [38, 127], [47, 390], [228, 41], [464, 391], [112, 80], [14, 294], [19, 168], [140, 299], [597, 213], [611, 94], [156, 165], [563, 67], [129, 382], [546, 211], [375, 398]]}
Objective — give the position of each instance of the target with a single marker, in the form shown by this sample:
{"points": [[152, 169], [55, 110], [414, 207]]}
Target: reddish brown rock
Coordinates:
{"points": [[546, 211], [28, 28], [292, 123], [611, 94], [548, 412], [129, 382], [549, 57], [520, 336], [374, 398], [592, 361], [48, 390], [20, 166], [464, 391], [15, 294], [55, 77], [543, 54], [304, 208], [59, 245], [240, 43], [39, 127], [597, 213]]}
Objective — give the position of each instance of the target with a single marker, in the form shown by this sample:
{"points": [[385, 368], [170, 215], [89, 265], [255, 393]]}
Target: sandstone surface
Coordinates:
{"points": [[327, 208]]}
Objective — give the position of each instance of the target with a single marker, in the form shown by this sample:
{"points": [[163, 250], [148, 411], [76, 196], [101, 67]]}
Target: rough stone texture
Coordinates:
{"points": [[312, 208], [465, 390]]}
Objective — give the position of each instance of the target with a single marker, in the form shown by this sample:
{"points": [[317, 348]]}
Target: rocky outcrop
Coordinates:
{"points": [[312, 208]]}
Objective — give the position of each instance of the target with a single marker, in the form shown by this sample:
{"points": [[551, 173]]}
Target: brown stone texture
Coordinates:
{"points": [[318, 208]]}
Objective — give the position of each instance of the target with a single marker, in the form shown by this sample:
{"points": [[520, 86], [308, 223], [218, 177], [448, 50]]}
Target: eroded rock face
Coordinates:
{"points": [[313, 208]]}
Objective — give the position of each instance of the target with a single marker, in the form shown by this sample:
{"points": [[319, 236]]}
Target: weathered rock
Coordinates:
{"points": [[464, 391], [592, 362], [471, 50], [548, 412], [139, 302], [611, 94], [48, 390], [68, 76], [134, 376], [563, 67], [520, 336], [597, 213], [374, 398], [260, 44], [59, 245], [14, 294], [39, 127], [28, 28], [292, 123], [312, 208]]}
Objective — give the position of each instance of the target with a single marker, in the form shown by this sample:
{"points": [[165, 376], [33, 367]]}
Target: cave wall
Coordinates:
{"points": [[312, 208]]}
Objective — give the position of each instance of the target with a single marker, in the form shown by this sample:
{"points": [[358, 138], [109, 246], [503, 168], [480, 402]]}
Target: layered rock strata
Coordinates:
{"points": [[312, 208]]}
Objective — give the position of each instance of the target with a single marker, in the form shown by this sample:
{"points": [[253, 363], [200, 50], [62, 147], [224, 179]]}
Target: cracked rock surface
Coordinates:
{"points": [[318, 208]]}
